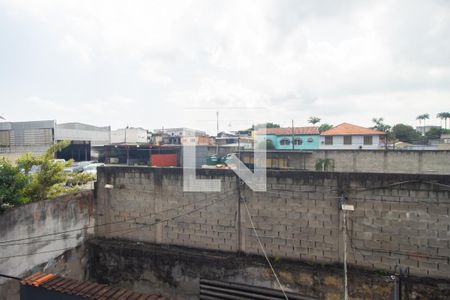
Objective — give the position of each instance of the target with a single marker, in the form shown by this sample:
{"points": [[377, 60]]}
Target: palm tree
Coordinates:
{"points": [[443, 116], [313, 120], [421, 118]]}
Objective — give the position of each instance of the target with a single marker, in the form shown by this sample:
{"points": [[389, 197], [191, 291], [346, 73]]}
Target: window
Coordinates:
{"points": [[368, 140], [328, 140], [4, 138], [298, 141], [310, 140], [347, 140], [285, 142]]}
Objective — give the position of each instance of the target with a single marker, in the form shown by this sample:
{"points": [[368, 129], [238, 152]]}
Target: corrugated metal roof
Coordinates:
{"points": [[85, 289]]}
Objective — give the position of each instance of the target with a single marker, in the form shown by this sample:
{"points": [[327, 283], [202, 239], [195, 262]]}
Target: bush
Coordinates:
{"points": [[12, 186]]}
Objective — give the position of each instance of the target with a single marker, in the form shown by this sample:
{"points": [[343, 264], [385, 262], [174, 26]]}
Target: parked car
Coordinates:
{"points": [[78, 167], [34, 169], [92, 168]]}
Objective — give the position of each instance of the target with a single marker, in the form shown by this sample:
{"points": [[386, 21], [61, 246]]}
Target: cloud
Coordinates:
{"points": [[291, 58]]}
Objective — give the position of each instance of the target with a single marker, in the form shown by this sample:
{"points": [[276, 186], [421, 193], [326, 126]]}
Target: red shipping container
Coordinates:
{"points": [[164, 160]]}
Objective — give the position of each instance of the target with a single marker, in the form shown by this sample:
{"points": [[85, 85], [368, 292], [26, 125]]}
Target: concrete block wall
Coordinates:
{"points": [[399, 219], [144, 196], [375, 161]]}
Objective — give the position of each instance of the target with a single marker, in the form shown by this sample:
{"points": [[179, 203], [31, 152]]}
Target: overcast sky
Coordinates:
{"points": [[172, 63]]}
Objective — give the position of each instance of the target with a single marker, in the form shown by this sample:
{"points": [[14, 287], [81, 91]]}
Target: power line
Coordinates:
{"points": [[2, 243], [263, 250], [10, 277], [144, 225]]}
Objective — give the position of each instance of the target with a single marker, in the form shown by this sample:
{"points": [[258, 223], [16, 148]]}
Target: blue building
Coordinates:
{"points": [[297, 138]]}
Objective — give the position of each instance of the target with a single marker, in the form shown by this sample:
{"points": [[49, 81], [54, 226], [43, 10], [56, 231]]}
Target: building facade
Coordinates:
{"points": [[129, 135], [349, 136], [180, 136], [96, 136], [297, 138], [17, 138]]}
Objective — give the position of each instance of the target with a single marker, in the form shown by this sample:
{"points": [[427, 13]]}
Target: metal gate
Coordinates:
{"points": [[211, 289]]}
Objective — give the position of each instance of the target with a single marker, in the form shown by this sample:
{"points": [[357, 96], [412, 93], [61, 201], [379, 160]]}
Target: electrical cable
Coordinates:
{"points": [[4, 243], [10, 277], [263, 250], [144, 225]]}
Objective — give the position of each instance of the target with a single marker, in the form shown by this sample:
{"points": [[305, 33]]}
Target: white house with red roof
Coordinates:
{"points": [[349, 136]]}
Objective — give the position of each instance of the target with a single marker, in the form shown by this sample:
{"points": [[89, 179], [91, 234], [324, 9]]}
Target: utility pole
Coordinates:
{"points": [[344, 208], [217, 132]]}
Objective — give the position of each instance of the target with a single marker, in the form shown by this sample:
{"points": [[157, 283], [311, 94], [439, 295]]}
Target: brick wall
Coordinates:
{"points": [[399, 219]]}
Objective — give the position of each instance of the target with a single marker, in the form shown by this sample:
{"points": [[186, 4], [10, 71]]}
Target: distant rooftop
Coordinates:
{"points": [[350, 129], [310, 130]]}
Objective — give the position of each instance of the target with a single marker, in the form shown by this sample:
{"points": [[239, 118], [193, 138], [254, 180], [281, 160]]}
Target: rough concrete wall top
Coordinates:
{"points": [[21, 252]]}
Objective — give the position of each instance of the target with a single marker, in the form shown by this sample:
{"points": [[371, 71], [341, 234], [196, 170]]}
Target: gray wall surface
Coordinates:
{"points": [[176, 272], [40, 219], [399, 220], [98, 136], [377, 161]]}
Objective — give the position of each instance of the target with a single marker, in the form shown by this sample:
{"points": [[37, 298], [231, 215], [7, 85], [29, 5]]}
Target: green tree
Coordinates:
{"points": [[12, 185], [434, 133], [406, 133], [380, 125], [268, 144], [313, 120], [444, 116], [49, 181], [267, 125], [421, 118], [325, 127]]}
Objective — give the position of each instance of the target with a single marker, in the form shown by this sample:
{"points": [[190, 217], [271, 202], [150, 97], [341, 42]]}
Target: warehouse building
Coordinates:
{"points": [[17, 138]]}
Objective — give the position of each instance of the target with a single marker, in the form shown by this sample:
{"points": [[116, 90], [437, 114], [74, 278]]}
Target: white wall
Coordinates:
{"points": [[97, 138], [357, 141], [133, 136]]}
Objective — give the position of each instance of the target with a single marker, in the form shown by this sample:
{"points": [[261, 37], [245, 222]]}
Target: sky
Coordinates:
{"points": [[161, 64]]}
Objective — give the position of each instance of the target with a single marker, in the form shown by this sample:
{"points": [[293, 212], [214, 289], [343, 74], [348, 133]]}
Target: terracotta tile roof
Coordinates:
{"points": [[350, 129], [311, 130], [85, 289]]}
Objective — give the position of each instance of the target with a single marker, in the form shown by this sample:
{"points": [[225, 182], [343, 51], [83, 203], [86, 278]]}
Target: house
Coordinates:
{"points": [[234, 139], [297, 138], [179, 136], [349, 136]]}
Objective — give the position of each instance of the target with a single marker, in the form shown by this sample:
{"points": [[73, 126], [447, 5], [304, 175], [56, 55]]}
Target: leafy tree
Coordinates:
{"points": [[313, 120], [444, 116], [406, 133], [267, 125], [380, 125], [12, 185], [421, 118], [325, 127], [268, 144], [50, 181], [433, 133]]}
